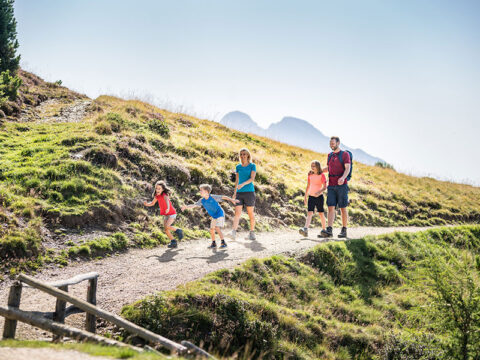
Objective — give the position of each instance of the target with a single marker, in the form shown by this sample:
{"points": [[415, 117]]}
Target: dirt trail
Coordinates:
{"points": [[132, 275], [7, 353]]}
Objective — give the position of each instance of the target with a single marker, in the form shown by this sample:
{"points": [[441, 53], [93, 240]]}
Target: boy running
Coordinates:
{"points": [[211, 203]]}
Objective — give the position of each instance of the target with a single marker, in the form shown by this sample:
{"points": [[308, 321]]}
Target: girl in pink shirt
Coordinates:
{"points": [[316, 185], [161, 195]]}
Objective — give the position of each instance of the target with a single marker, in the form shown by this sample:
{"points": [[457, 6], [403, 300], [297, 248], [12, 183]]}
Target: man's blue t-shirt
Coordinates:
{"points": [[244, 173], [212, 206]]}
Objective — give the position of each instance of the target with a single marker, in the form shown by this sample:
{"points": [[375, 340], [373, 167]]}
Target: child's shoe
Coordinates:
{"points": [[173, 244], [223, 245], [303, 231], [213, 245], [179, 233]]}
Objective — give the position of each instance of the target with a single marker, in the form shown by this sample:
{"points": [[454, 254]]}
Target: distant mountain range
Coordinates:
{"points": [[293, 131]]}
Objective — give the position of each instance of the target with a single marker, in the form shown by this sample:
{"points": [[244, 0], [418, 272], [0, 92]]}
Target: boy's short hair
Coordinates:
{"points": [[206, 187]]}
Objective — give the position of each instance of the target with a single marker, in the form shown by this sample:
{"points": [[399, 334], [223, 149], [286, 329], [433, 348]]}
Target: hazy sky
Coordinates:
{"points": [[399, 79]]}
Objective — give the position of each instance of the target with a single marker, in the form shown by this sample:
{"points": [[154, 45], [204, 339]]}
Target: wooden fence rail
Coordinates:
{"points": [[59, 290]]}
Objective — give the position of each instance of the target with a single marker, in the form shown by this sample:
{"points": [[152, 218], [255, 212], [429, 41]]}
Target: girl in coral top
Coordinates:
{"points": [[161, 195], [316, 185]]}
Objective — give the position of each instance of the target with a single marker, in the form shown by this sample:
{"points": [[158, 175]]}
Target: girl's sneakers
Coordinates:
{"points": [[303, 231], [179, 233], [223, 245], [173, 244], [213, 245]]}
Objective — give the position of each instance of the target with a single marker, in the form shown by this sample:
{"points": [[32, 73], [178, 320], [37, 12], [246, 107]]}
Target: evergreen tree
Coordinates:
{"points": [[8, 37]]}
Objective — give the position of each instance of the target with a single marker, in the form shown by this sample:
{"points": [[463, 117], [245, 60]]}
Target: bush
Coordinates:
{"points": [[9, 86], [160, 127], [384, 165]]}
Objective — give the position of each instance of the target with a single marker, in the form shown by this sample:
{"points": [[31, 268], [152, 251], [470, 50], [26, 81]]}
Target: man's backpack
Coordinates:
{"points": [[340, 157]]}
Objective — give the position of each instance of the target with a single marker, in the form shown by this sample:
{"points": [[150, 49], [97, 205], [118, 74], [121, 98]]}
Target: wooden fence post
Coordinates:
{"points": [[90, 323], [59, 314], [14, 296]]}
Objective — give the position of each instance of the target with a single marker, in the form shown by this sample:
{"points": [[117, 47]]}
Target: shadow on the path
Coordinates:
{"points": [[216, 257], [167, 256], [253, 245]]}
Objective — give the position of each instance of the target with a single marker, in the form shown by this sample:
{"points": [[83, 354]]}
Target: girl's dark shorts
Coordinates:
{"points": [[316, 202], [245, 198]]}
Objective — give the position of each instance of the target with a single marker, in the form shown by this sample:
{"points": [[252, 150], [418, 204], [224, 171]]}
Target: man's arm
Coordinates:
{"points": [[345, 174]]}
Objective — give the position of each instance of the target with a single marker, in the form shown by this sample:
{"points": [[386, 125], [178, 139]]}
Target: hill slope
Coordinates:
{"points": [[70, 167], [370, 298]]}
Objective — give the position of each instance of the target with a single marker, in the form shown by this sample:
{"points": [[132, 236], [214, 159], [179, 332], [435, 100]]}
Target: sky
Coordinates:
{"points": [[399, 79]]}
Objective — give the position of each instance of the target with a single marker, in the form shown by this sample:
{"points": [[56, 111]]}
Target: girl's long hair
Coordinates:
{"points": [[163, 184], [248, 153], [318, 166]]}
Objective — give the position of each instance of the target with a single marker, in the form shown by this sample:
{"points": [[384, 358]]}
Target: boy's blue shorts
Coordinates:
{"points": [[338, 195]]}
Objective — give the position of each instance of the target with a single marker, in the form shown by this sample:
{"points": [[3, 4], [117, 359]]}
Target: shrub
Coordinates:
{"points": [[160, 127], [9, 85]]}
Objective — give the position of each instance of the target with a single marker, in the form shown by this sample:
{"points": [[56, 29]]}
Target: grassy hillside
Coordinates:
{"points": [[62, 176], [373, 298]]}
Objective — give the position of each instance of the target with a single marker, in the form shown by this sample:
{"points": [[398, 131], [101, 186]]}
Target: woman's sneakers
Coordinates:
{"points": [[303, 231], [173, 244], [252, 236], [179, 233], [232, 234]]}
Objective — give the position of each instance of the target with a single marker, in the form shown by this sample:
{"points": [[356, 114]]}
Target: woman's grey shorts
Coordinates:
{"points": [[245, 198]]}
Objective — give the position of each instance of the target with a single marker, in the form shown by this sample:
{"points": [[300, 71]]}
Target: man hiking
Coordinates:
{"points": [[338, 166]]}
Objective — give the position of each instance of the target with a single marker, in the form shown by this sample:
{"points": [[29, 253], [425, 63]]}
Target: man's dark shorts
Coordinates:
{"points": [[246, 198], [338, 195], [315, 202]]}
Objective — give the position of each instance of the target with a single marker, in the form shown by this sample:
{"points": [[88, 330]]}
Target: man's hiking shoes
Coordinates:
{"points": [[303, 232], [223, 245], [252, 236], [232, 235], [172, 245], [213, 245], [179, 233], [343, 233], [326, 233]]}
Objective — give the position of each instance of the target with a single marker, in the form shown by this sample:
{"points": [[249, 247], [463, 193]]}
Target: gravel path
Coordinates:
{"points": [[43, 354], [132, 275]]}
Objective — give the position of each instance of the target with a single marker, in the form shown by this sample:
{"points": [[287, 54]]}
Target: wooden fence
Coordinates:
{"points": [[54, 321]]}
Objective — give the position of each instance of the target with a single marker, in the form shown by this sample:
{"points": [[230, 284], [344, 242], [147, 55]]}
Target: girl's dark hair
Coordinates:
{"points": [[163, 184], [318, 166]]}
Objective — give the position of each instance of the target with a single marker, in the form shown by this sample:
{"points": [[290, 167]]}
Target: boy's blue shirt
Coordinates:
{"points": [[212, 206]]}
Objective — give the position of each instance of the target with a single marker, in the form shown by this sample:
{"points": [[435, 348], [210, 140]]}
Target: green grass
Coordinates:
{"points": [[91, 349], [359, 299]]}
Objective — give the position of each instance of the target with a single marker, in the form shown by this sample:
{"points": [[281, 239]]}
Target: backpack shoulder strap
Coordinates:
{"points": [[340, 157], [329, 157]]}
